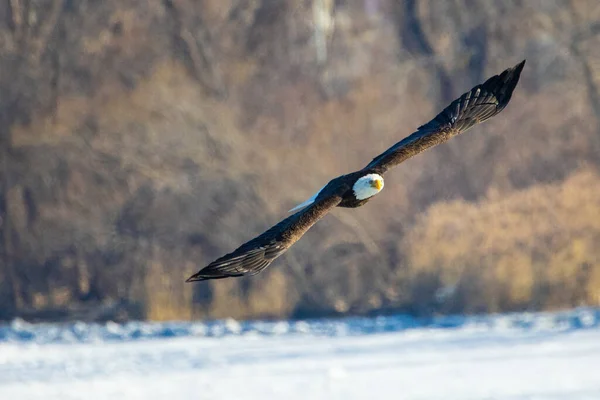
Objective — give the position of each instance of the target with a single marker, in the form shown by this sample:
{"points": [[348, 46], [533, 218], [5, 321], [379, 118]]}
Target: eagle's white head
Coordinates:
{"points": [[367, 186]]}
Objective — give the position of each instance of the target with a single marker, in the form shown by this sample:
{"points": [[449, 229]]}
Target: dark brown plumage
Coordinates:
{"points": [[477, 105], [254, 256], [355, 189]]}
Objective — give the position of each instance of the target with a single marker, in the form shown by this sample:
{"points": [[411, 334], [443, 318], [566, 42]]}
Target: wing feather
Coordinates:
{"points": [[256, 255], [477, 105]]}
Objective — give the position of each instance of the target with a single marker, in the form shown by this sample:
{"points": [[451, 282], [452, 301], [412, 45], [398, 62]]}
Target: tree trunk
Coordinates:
{"points": [[12, 299]]}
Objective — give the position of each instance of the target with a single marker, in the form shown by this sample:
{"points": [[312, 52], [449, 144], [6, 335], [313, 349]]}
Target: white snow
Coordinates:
{"points": [[474, 361]]}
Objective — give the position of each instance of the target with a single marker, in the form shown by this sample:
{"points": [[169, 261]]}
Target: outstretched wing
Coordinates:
{"points": [[254, 256], [477, 105]]}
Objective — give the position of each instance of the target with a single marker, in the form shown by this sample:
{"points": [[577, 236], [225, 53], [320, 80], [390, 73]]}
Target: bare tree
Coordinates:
{"points": [[27, 36]]}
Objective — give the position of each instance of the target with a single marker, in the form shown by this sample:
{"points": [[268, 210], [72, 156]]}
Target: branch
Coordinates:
{"points": [[38, 45], [14, 8], [16, 19], [199, 51]]}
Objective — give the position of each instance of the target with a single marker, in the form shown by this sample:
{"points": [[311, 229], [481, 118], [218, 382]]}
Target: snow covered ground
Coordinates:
{"points": [[519, 356]]}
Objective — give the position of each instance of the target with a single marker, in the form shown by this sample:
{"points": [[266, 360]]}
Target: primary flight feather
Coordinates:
{"points": [[355, 189]]}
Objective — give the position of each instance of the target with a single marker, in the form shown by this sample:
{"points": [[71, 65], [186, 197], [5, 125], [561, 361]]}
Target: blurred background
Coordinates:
{"points": [[140, 140]]}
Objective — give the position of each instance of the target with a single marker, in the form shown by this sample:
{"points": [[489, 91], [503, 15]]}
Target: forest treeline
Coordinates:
{"points": [[140, 140]]}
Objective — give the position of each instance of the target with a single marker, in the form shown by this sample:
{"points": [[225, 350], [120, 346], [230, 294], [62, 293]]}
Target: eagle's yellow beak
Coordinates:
{"points": [[377, 184]]}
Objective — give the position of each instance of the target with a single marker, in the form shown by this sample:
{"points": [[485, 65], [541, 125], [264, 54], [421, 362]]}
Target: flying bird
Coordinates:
{"points": [[357, 188]]}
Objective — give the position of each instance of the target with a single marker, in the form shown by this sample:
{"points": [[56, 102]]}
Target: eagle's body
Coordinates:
{"points": [[357, 188], [355, 194]]}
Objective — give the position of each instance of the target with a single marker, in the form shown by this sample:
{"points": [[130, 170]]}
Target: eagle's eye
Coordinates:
{"points": [[376, 183]]}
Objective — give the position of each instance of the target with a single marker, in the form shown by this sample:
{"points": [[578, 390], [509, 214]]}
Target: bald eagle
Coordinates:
{"points": [[356, 188]]}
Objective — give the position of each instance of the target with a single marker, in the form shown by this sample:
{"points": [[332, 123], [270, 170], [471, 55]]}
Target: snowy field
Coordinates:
{"points": [[518, 356]]}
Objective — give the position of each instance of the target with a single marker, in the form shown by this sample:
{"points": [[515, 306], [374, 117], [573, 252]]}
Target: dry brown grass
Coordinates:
{"points": [[532, 248]]}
